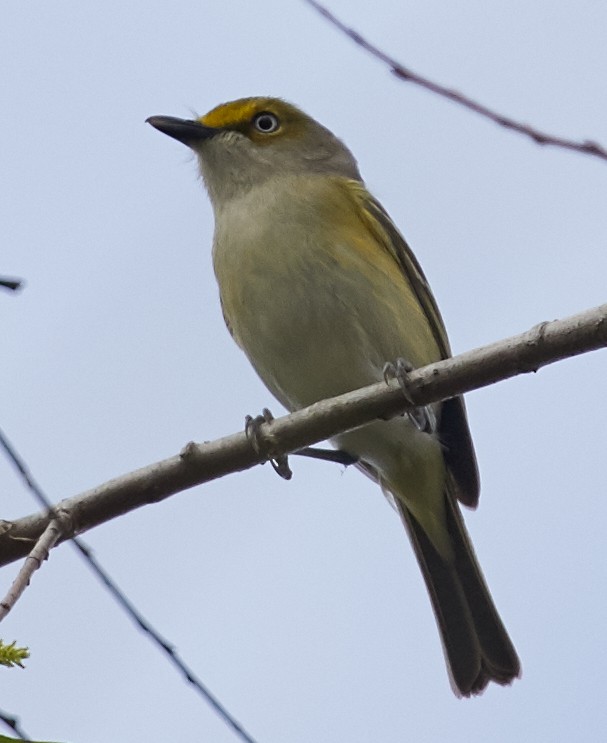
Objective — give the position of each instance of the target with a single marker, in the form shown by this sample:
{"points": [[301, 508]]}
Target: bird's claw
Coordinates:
{"points": [[252, 429], [400, 372], [422, 416]]}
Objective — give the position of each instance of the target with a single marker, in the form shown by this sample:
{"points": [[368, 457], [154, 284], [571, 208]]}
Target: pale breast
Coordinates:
{"points": [[315, 305]]}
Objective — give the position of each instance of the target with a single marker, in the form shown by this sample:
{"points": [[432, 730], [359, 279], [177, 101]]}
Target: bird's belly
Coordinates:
{"points": [[314, 328], [319, 332], [308, 336]]}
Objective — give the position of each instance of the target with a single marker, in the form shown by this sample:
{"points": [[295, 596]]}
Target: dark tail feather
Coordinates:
{"points": [[476, 645]]}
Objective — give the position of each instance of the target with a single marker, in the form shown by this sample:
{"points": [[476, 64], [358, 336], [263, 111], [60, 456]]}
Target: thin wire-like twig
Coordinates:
{"points": [[121, 598], [586, 147], [13, 723], [158, 640]]}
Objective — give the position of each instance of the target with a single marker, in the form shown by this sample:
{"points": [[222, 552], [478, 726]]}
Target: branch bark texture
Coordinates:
{"points": [[544, 344]]}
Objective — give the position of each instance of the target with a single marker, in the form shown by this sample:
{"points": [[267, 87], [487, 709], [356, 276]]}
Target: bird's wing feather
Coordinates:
{"points": [[453, 427], [380, 224]]}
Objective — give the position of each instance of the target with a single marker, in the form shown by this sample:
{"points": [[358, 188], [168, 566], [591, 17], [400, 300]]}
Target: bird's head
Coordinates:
{"points": [[246, 142]]}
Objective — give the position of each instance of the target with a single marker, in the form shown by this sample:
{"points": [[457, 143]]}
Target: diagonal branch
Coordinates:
{"points": [[46, 541], [586, 147], [119, 596], [544, 344]]}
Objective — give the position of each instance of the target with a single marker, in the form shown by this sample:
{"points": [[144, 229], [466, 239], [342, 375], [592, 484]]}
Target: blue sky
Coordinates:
{"points": [[299, 604]]}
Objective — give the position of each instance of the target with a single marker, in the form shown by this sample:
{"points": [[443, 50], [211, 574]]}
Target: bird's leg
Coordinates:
{"points": [[252, 429], [423, 417], [328, 455]]}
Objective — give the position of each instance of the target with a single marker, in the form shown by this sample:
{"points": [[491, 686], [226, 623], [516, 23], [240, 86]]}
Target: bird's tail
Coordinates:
{"points": [[475, 642]]}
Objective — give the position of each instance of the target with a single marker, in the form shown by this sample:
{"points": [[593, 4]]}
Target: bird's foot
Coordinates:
{"points": [[280, 463], [252, 429], [400, 372], [423, 416]]}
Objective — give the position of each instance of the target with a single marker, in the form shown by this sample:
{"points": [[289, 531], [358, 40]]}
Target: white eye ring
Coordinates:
{"points": [[266, 123]]}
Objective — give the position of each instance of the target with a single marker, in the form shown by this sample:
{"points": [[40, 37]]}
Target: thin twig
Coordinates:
{"points": [[120, 597], [586, 147], [199, 463], [161, 643], [33, 562]]}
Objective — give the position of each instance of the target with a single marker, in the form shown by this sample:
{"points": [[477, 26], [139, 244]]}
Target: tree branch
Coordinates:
{"points": [[544, 344], [586, 147], [46, 541]]}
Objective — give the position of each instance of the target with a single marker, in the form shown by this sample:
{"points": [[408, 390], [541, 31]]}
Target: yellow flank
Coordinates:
{"points": [[370, 253], [381, 233]]}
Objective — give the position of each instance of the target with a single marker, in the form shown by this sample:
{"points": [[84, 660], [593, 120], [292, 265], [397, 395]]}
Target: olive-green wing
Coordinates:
{"points": [[453, 430], [384, 229]]}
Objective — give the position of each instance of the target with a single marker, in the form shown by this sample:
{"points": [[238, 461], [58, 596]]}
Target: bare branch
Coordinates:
{"points": [[121, 598], [586, 147], [47, 540], [544, 344]]}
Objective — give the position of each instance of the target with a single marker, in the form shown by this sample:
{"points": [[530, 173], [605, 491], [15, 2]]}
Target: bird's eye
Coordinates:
{"points": [[266, 123]]}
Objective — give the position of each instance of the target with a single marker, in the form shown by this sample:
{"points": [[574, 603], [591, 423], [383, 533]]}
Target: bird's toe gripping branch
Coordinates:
{"points": [[252, 428], [423, 417], [280, 463], [400, 372]]}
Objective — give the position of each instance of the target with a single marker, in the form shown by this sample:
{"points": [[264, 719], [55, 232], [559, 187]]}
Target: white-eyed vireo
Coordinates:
{"points": [[320, 290]]}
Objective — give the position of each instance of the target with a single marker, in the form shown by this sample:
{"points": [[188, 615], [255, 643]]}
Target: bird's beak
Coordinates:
{"points": [[188, 131]]}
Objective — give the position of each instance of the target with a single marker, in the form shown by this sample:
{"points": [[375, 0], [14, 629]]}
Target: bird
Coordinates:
{"points": [[323, 294]]}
